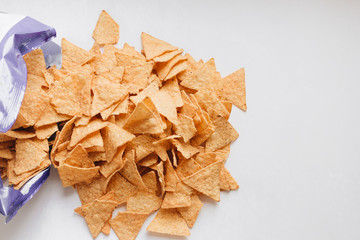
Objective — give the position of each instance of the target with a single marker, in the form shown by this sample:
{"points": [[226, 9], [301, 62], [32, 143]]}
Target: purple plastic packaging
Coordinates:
{"points": [[18, 36]]}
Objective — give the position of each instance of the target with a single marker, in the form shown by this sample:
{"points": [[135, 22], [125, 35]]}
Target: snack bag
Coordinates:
{"points": [[19, 35]]}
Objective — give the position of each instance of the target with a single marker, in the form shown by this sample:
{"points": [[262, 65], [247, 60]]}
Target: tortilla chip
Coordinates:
{"points": [[93, 142], [150, 180], [206, 180], [150, 90], [71, 96], [122, 188], [162, 69], [35, 83], [178, 68], [88, 192], [78, 157], [20, 134], [187, 167], [6, 153], [170, 177], [143, 120], [114, 75], [71, 175], [227, 182], [46, 131], [165, 105], [143, 146], [169, 221], [208, 99], [127, 225], [175, 200], [185, 148], [114, 137], [28, 156], [105, 94], [115, 165], [97, 156], [224, 134], [168, 56], [137, 75], [232, 88], [205, 159], [106, 30], [154, 47], [143, 202], [125, 59], [185, 127], [130, 171], [106, 228], [97, 213], [71, 52], [50, 116], [81, 132], [5, 138], [33, 106], [191, 213], [201, 77], [35, 62]]}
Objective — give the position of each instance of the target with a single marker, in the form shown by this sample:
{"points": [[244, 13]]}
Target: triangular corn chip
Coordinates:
{"points": [[154, 47], [127, 225], [106, 30], [206, 180]]}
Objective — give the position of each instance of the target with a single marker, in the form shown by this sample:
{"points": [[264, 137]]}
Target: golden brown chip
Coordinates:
{"points": [[130, 171], [122, 188], [50, 116], [137, 76], [168, 56], [106, 30], [224, 134], [88, 192], [144, 120], [71, 175], [186, 168], [73, 53], [170, 177], [5, 138], [227, 182], [162, 69], [150, 180], [143, 202], [6, 153], [35, 62], [71, 96], [35, 83], [28, 156], [106, 228], [78, 157], [232, 88], [208, 99], [206, 180], [185, 127], [81, 132], [154, 47], [93, 143], [105, 94], [20, 134], [201, 77], [185, 148], [178, 68], [97, 213], [150, 90], [32, 107], [114, 137], [46, 131], [205, 159], [191, 213], [115, 165], [169, 221], [125, 59], [128, 224], [176, 200]]}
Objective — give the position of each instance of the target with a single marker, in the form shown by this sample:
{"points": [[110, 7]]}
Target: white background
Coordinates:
{"points": [[297, 159]]}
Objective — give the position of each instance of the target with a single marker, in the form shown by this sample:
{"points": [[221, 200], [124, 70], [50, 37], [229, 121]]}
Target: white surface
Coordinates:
{"points": [[297, 157]]}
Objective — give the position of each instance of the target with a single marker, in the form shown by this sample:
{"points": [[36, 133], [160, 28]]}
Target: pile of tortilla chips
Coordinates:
{"points": [[149, 130]]}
